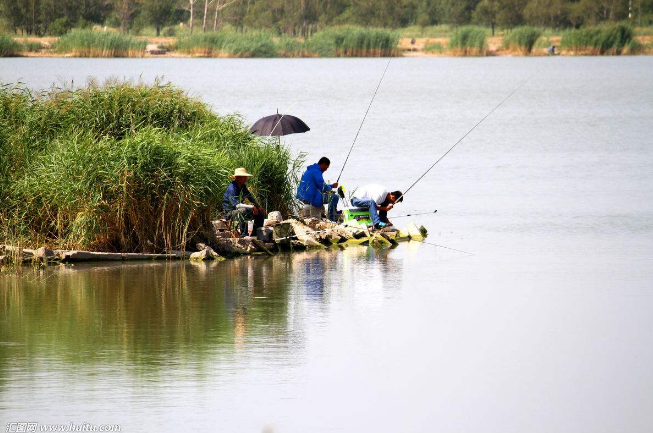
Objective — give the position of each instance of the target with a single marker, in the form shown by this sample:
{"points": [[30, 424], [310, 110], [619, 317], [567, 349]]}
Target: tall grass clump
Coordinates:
{"points": [[353, 42], [229, 43], [8, 46], [599, 40], [89, 43], [468, 41], [523, 39], [124, 167]]}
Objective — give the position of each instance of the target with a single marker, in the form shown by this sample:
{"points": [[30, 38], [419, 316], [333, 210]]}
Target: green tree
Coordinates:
{"points": [[158, 12], [486, 13]]}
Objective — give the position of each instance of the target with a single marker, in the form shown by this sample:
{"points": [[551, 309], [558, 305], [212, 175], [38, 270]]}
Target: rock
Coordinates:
{"points": [[275, 216], [219, 225], [378, 241], [235, 246], [43, 253], [312, 223], [270, 223], [264, 234], [201, 246], [87, 256], [413, 232], [305, 235], [281, 233], [206, 254]]}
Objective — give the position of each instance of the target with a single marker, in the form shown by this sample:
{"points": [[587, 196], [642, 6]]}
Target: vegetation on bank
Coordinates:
{"points": [[523, 39], [607, 39], [89, 43], [124, 167], [332, 42], [468, 41]]}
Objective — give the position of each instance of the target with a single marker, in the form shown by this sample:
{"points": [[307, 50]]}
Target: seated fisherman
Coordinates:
{"points": [[312, 191], [378, 200], [233, 203]]}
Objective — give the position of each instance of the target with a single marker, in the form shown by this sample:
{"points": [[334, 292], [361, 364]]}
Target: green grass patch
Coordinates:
{"points": [[434, 48], [8, 46], [351, 41], [599, 40], [523, 39], [124, 167], [468, 41], [234, 44], [90, 43]]}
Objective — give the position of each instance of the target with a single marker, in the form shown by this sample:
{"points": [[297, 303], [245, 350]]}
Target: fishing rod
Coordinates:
{"points": [[466, 134], [415, 214], [364, 117]]}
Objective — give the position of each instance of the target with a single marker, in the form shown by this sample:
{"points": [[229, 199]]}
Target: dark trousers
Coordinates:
{"points": [[240, 217]]}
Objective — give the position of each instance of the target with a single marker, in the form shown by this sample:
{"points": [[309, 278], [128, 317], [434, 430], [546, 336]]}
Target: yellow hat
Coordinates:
{"points": [[240, 172]]}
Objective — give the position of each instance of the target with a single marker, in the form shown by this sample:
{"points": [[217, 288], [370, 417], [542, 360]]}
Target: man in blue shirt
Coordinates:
{"points": [[233, 203], [312, 191]]}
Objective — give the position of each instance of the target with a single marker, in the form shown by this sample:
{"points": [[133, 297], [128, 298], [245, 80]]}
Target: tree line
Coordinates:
{"points": [[304, 17]]}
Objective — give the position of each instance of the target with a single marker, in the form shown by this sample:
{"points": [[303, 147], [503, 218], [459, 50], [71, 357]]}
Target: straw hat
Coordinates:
{"points": [[240, 172]]}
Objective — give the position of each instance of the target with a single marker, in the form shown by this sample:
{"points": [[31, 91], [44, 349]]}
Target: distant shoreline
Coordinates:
{"points": [[407, 47]]}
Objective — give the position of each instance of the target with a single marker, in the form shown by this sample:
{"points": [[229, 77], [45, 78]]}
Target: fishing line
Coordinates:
{"points": [[415, 214], [449, 248], [468, 132], [364, 117], [282, 116]]}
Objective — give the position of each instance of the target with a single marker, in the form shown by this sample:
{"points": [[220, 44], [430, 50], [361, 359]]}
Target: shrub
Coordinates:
{"points": [[60, 26], [353, 42], [523, 39], [125, 167], [89, 43], [605, 39], [250, 44], [468, 41], [8, 46]]}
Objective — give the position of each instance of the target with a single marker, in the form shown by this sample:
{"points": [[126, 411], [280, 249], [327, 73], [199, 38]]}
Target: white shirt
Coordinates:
{"points": [[376, 192]]}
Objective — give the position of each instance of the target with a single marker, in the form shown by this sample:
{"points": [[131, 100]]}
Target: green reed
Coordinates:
{"points": [[599, 40], [523, 39], [468, 41], [8, 46], [90, 43], [229, 43], [351, 41], [124, 167]]}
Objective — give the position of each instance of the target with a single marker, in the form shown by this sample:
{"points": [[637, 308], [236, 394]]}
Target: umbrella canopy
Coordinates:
{"points": [[278, 124]]}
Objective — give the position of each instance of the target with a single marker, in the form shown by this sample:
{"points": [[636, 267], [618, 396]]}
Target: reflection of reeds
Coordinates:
{"points": [[605, 39], [141, 313], [125, 167], [523, 39], [89, 43], [468, 41]]}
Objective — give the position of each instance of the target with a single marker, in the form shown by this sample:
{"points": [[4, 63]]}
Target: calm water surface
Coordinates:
{"points": [[548, 328]]}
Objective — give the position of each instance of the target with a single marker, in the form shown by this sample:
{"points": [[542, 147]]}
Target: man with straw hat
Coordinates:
{"points": [[233, 206]]}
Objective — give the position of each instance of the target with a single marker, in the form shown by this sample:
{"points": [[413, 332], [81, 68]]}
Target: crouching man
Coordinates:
{"points": [[233, 205], [378, 200]]}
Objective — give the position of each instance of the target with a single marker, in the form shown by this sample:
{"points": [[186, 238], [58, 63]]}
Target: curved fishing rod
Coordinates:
{"points": [[364, 117], [466, 134]]}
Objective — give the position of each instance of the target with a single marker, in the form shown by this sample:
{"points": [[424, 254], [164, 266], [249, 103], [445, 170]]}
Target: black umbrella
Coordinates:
{"points": [[279, 124]]}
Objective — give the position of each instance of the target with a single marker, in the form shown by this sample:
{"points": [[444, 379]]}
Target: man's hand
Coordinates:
{"points": [[335, 185]]}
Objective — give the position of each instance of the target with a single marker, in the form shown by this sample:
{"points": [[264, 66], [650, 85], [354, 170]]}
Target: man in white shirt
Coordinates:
{"points": [[376, 198]]}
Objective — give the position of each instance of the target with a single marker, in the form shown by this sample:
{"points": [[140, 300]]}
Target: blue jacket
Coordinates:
{"points": [[312, 186], [234, 195]]}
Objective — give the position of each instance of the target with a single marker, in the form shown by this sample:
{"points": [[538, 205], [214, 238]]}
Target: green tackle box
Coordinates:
{"points": [[360, 214]]}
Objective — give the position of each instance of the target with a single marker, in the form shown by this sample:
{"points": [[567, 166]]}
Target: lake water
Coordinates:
{"points": [[547, 328]]}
